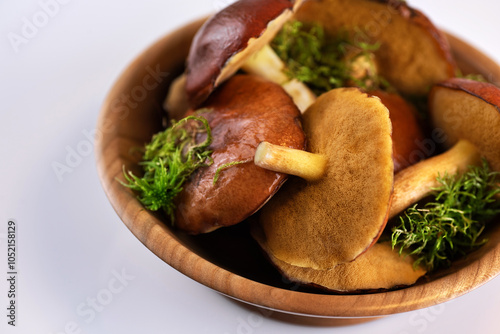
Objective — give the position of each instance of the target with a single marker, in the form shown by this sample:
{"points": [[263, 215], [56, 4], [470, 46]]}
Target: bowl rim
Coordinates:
{"points": [[153, 233]]}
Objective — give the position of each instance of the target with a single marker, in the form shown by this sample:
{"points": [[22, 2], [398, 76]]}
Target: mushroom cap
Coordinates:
{"points": [[413, 53], [334, 220], [467, 109], [406, 132], [223, 43], [380, 267], [245, 111]]}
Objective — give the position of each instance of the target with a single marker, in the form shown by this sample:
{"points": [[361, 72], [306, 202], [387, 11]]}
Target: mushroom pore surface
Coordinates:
{"points": [[466, 109], [333, 220]]}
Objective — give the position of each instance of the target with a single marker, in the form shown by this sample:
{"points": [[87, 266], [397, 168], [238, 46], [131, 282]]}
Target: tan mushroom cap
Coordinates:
{"points": [[380, 267], [334, 220], [413, 53], [245, 111], [467, 109]]}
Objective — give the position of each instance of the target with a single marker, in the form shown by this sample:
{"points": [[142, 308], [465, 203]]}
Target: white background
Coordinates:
{"points": [[71, 243]]}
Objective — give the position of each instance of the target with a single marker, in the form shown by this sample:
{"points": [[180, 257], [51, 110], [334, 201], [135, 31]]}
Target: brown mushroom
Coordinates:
{"points": [[335, 219], [228, 38], [245, 111]]}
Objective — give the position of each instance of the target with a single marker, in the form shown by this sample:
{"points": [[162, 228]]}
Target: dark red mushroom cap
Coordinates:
{"points": [[413, 55]]}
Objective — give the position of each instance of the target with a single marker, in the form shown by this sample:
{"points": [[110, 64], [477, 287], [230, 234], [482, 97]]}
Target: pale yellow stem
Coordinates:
{"points": [[282, 159]]}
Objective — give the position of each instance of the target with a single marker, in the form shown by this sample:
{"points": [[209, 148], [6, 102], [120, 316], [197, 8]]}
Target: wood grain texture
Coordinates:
{"points": [[228, 260]]}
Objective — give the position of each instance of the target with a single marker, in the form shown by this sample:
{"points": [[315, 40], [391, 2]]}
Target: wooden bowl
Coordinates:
{"points": [[228, 260]]}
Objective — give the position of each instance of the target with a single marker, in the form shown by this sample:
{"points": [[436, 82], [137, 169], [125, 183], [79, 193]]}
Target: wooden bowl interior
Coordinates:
{"points": [[228, 260]]}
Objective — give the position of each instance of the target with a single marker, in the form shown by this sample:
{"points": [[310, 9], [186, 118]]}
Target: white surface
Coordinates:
{"points": [[71, 244]]}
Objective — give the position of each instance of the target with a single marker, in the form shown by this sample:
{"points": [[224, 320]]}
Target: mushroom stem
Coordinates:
{"points": [[410, 185], [417, 181], [306, 165], [267, 64]]}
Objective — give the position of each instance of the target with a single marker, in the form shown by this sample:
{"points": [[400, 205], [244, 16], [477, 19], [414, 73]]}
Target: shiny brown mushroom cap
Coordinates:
{"points": [[222, 44], [243, 112]]}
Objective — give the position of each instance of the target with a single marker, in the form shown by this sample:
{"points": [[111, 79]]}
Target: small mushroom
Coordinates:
{"points": [[338, 217], [228, 38], [243, 112]]}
